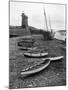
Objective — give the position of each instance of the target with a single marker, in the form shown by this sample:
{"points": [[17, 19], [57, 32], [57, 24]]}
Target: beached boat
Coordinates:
{"points": [[26, 41], [40, 66], [35, 53], [27, 48], [54, 58], [37, 68]]}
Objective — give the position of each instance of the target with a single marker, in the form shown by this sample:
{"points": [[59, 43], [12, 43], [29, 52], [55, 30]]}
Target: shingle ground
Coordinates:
{"points": [[53, 75]]}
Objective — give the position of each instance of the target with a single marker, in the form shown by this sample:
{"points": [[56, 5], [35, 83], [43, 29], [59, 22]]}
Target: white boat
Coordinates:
{"points": [[36, 69], [35, 54], [54, 58], [40, 66]]}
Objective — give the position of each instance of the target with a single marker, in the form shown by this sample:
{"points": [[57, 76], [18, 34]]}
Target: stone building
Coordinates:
{"points": [[24, 23]]}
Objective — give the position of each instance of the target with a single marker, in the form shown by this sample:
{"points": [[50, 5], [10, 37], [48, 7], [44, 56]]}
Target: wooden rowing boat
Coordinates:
{"points": [[40, 66], [36, 53], [37, 68], [27, 48], [55, 58], [26, 42]]}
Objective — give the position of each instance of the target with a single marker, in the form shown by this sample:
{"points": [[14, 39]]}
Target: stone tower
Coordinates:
{"points": [[24, 23]]}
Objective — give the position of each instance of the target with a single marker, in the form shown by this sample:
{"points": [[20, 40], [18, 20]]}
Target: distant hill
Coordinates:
{"points": [[15, 31], [34, 30]]}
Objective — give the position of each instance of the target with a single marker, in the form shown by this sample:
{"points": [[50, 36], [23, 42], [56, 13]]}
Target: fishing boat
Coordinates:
{"points": [[40, 66]]}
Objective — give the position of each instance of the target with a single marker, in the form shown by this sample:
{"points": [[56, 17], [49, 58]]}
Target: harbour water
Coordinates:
{"points": [[60, 35]]}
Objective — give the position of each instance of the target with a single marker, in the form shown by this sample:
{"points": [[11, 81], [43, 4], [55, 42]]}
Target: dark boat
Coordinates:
{"points": [[26, 41], [27, 48]]}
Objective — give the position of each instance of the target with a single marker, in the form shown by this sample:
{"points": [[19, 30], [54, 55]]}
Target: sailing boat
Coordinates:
{"points": [[51, 30], [46, 32], [45, 20], [38, 53]]}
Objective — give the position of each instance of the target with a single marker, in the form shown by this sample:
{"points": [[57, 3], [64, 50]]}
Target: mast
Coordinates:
{"points": [[45, 19], [50, 24], [52, 32]]}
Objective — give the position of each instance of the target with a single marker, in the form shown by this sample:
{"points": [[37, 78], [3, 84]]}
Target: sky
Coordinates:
{"points": [[54, 12]]}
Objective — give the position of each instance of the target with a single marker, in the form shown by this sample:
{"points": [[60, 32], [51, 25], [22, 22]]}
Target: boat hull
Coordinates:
{"points": [[42, 67], [27, 48], [54, 58], [37, 55]]}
